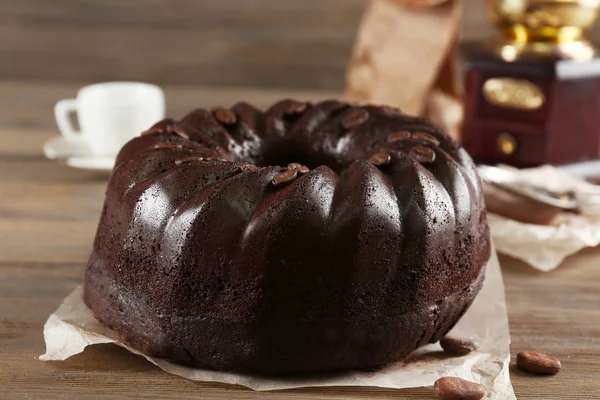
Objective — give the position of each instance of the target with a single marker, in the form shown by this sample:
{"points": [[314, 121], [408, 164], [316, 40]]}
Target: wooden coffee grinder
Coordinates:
{"points": [[533, 94]]}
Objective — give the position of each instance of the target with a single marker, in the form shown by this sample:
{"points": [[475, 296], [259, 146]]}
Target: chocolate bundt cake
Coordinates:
{"points": [[306, 238]]}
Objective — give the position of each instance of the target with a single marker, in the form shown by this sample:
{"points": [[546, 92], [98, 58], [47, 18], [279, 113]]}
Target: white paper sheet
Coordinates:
{"points": [[545, 247], [72, 327]]}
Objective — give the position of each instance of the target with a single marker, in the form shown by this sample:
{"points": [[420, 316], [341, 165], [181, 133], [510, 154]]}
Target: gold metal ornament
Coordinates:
{"points": [[519, 94], [544, 27], [553, 20]]}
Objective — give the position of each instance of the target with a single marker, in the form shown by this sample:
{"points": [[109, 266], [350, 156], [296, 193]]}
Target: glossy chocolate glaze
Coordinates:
{"points": [[204, 259]]}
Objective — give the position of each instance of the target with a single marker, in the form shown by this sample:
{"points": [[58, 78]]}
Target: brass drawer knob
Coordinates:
{"points": [[506, 143]]}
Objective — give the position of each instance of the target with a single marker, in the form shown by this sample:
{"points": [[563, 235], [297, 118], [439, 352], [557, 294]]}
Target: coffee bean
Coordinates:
{"points": [[249, 167], [426, 137], [532, 361], [355, 117], [180, 133], [422, 154], [457, 346], [188, 160], [225, 116], [285, 177], [398, 136], [452, 388], [163, 126], [295, 108], [381, 158], [168, 146], [156, 129], [390, 110], [303, 170]]}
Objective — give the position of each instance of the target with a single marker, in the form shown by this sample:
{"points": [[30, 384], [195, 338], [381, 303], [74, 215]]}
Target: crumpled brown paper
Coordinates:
{"points": [[72, 327], [404, 56], [545, 247]]}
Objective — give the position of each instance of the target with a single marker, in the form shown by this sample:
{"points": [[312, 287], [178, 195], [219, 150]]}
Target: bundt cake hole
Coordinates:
{"points": [[284, 157]]}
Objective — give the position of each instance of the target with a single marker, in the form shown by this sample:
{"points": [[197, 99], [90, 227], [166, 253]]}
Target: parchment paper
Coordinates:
{"points": [[545, 247], [72, 328]]}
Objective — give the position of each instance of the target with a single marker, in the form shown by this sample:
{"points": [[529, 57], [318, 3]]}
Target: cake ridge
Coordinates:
{"points": [[448, 179]]}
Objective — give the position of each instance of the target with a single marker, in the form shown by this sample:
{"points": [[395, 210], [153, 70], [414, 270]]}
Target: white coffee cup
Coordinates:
{"points": [[110, 114]]}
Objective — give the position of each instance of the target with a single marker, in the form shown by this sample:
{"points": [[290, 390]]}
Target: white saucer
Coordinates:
{"points": [[59, 148], [92, 163], [76, 154]]}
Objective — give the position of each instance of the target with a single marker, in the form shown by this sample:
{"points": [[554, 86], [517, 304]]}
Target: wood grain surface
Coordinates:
{"points": [[48, 215], [266, 43], [249, 43]]}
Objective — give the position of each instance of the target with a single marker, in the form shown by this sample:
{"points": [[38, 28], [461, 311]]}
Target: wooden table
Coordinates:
{"points": [[48, 215]]}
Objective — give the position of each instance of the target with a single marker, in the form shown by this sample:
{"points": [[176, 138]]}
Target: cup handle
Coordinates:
{"points": [[62, 109]]}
